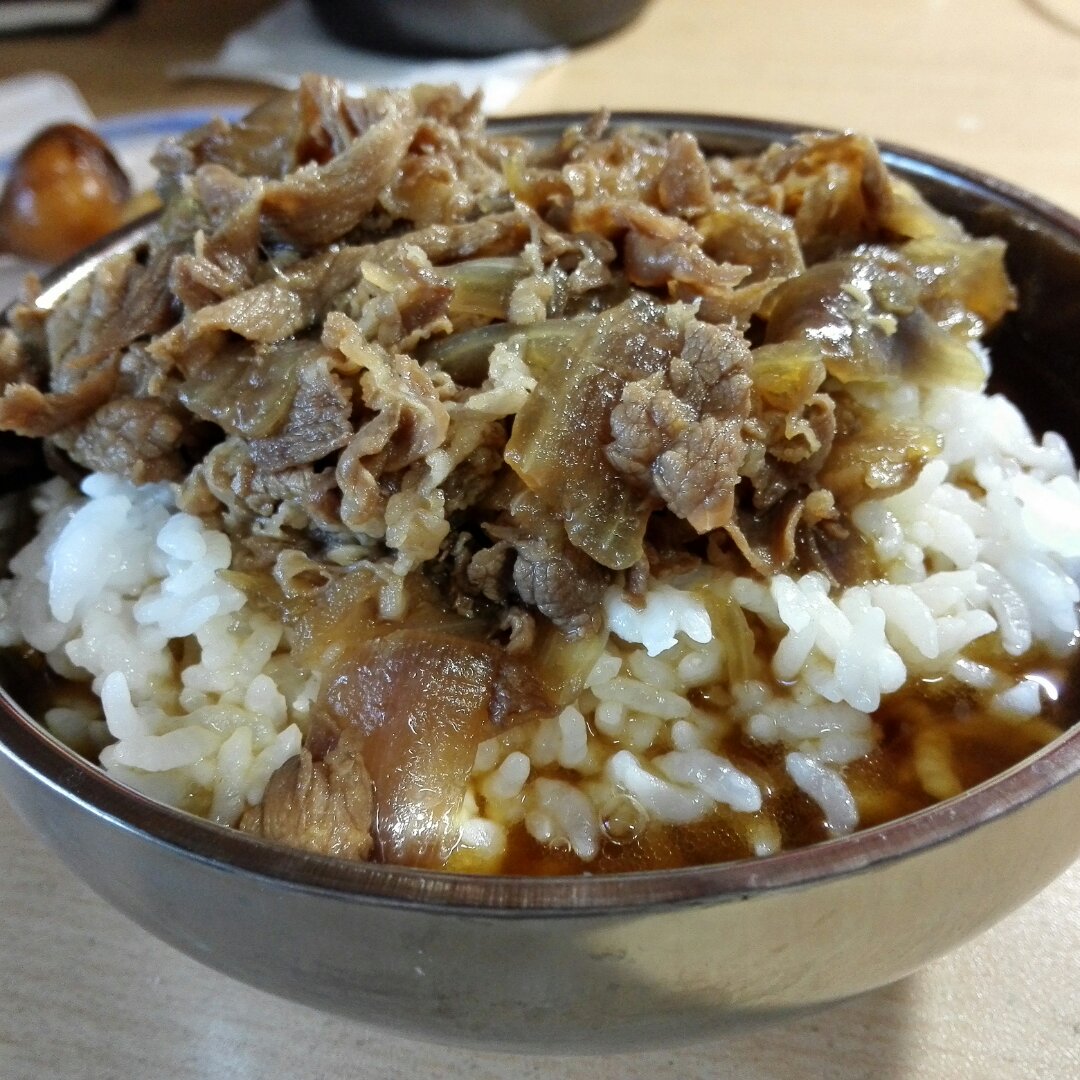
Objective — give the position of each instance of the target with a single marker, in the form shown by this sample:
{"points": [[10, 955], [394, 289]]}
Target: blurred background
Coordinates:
{"points": [[993, 84]]}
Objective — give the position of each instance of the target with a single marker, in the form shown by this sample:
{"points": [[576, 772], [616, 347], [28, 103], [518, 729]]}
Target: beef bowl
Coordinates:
{"points": [[622, 859]]}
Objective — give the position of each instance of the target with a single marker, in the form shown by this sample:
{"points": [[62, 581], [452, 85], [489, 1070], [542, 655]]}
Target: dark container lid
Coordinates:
{"points": [[471, 27]]}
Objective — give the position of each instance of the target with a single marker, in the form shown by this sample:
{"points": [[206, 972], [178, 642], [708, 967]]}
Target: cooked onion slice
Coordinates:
{"points": [[423, 702]]}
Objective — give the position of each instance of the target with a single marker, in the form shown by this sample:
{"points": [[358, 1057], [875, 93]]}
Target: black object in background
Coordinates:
{"points": [[471, 27]]}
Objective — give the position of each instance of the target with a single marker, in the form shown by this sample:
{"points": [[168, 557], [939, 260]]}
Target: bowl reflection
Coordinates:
{"points": [[631, 960]]}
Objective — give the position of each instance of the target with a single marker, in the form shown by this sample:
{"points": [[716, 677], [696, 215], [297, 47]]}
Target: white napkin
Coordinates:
{"points": [[288, 41]]}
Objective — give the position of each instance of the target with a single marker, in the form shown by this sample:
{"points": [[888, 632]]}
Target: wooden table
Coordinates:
{"points": [[992, 83]]}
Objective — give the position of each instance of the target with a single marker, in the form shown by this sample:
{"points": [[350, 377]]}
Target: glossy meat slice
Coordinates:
{"points": [[137, 437], [678, 432], [87, 337], [547, 571], [557, 443], [323, 806], [407, 421], [318, 204], [319, 420]]}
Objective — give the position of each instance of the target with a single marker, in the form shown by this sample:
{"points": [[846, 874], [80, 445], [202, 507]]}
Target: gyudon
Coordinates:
{"points": [[431, 496]]}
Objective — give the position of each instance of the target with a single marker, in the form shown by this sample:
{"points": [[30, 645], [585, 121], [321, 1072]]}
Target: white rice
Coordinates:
{"points": [[111, 582], [200, 704]]}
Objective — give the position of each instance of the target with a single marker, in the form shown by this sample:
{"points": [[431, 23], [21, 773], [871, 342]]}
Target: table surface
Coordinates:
{"points": [[991, 83]]}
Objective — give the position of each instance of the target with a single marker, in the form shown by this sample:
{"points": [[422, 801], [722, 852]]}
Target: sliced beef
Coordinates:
{"points": [[489, 571], [756, 237], [225, 259], [422, 701], [323, 806], [274, 310], [140, 438], [684, 186], [790, 451], [263, 143], [677, 433], [123, 301], [246, 390], [26, 410], [502, 374], [499, 233], [408, 420], [319, 421], [229, 477], [557, 445], [657, 263], [407, 300], [81, 318], [614, 217], [562, 583], [549, 573], [18, 363], [318, 204]]}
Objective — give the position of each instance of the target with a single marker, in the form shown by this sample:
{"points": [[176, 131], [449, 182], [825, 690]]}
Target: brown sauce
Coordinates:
{"points": [[931, 743], [889, 783]]}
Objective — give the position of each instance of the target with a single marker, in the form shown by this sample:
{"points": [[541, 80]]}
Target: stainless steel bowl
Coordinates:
{"points": [[591, 963]]}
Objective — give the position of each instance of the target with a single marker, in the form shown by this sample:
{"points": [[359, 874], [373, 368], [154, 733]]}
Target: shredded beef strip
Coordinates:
{"points": [[324, 806]]}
